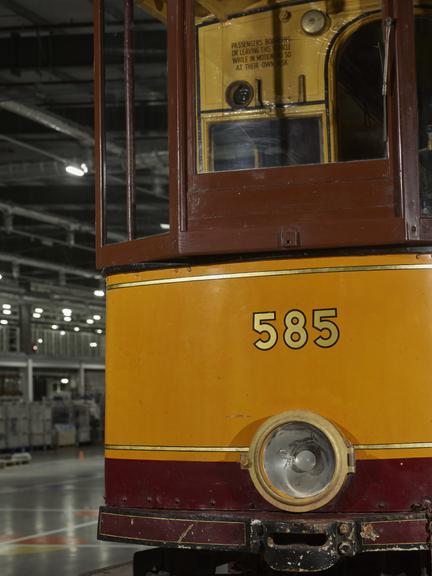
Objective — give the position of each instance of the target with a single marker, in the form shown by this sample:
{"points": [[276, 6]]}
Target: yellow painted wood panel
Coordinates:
{"points": [[182, 368]]}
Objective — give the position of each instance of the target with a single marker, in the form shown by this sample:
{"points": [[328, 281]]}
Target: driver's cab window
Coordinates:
{"points": [[423, 30], [268, 72]]}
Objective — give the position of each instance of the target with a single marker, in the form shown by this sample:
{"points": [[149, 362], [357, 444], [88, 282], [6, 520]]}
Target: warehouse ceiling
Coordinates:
{"points": [[46, 118]]}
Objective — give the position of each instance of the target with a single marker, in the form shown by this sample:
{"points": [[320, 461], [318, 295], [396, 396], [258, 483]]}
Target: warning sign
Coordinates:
{"points": [[261, 53]]}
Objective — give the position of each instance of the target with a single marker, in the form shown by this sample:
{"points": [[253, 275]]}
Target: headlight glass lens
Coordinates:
{"points": [[299, 459]]}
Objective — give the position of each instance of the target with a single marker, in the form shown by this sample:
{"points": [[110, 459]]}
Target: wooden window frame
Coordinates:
{"points": [[165, 245], [222, 213]]}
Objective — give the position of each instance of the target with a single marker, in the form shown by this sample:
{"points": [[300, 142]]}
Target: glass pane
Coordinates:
{"points": [[150, 134], [151, 118], [115, 123], [282, 142], [359, 100], [267, 73], [423, 28]]}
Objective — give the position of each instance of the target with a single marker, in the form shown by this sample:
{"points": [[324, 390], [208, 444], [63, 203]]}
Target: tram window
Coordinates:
{"points": [[246, 144], [423, 30], [114, 122], [270, 75], [147, 167], [151, 123], [359, 100]]}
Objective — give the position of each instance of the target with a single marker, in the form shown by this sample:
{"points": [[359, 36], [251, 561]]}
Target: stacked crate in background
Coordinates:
{"points": [[40, 425], [17, 425], [35, 425]]}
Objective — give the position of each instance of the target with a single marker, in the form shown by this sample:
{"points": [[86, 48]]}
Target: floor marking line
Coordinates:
{"points": [[62, 546], [48, 533], [50, 484], [56, 510]]}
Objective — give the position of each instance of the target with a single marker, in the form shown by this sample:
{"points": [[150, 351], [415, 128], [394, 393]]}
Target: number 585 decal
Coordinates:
{"points": [[296, 332]]}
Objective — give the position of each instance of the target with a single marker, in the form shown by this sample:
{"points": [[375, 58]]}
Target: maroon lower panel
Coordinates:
{"points": [[394, 532], [377, 486], [172, 530]]}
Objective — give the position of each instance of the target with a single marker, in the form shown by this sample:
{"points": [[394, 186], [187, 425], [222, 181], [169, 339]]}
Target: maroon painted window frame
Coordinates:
{"points": [[223, 213]]}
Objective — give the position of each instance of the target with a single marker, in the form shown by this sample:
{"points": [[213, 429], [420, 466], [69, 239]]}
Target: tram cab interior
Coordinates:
{"points": [[279, 97], [268, 272]]}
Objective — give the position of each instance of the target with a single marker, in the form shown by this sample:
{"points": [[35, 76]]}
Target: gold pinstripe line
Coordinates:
{"points": [[245, 449], [408, 445], [294, 272], [176, 448]]}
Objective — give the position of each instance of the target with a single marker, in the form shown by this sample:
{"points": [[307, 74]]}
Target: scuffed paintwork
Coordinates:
{"points": [[368, 533]]}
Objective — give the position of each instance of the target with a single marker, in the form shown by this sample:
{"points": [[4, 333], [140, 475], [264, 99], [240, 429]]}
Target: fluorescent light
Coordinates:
{"points": [[40, 340], [84, 168], [93, 344], [1, 276], [67, 312], [6, 306], [76, 329], [54, 326], [74, 170], [96, 316], [164, 226], [98, 331], [90, 321], [4, 322], [64, 381], [38, 310], [7, 312], [62, 333], [67, 319], [99, 293], [36, 315]]}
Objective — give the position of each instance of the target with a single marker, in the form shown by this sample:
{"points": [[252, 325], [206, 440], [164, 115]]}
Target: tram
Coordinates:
{"points": [[269, 393]]}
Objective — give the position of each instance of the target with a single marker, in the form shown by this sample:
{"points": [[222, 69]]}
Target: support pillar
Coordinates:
{"points": [[28, 389], [81, 381], [26, 344]]}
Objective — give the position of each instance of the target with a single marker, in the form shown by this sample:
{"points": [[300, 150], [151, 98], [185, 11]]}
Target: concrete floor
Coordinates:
{"points": [[48, 516]]}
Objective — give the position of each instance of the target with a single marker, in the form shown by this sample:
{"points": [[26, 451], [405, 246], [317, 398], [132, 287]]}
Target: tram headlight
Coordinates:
{"points": [[299, 461]]}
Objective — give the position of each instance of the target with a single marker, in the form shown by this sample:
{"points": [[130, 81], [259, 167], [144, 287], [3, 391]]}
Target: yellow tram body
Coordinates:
{"points": [[372, 382], [238, 351]]}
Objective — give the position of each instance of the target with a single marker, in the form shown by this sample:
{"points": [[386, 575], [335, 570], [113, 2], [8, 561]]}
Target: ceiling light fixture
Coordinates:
{"points": [[74, 170]]}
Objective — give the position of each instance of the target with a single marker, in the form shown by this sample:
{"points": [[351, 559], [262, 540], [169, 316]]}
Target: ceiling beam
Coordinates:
{"points": [[44, 265], [66, 223], [24, 12]]}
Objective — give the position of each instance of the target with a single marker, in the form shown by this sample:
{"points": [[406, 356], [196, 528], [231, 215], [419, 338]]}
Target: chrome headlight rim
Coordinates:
{"points": [[342, 449]]}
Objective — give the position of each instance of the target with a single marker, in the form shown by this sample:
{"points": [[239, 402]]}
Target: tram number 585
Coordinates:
{"points": [[296, 332]]}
